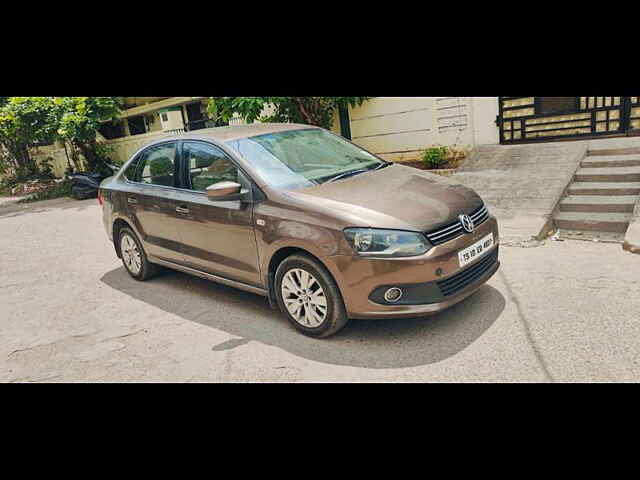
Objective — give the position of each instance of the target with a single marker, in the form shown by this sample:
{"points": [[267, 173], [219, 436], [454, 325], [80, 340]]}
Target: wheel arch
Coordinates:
{"points": [[277, 258], [118, 224]]}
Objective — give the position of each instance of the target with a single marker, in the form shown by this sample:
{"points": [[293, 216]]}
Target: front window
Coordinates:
{"points": [[207, 165], [302, 158]]}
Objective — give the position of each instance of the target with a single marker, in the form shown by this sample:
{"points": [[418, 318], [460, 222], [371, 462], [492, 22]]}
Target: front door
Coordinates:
{"points": [[217, 237], [152, 203]]}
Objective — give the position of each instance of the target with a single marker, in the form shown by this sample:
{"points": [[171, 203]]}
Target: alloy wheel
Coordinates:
{"points": [[304, 298], [131, 254]]}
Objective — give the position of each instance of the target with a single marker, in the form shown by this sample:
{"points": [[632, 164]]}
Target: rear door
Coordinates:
{"points": [[152, 201], [218, 237]]}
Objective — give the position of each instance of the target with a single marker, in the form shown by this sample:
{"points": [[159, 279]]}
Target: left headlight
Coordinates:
{"points": [[386, 243]]}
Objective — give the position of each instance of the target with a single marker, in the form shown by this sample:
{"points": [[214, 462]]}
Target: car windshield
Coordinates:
{"points": [[301, 158]]}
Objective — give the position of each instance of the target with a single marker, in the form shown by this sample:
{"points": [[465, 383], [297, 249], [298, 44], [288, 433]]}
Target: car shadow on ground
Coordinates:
{"points": [[363, 343]]}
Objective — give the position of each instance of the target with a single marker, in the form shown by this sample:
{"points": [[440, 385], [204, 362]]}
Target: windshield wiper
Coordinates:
{"points": [[347, 174], [382, 165], [356, 172]]}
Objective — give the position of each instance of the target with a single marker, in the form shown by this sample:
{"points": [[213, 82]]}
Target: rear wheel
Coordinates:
{"points": [[309, 297], [133, 257]]}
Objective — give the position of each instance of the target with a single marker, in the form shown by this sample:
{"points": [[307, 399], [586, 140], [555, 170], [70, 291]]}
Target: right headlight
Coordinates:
{"points": [[386, 243]]}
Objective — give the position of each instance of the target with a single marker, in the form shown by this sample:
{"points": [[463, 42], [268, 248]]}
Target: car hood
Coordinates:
{"points": [[394, 197]]}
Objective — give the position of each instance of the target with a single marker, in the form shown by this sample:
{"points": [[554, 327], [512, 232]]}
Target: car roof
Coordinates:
{"points": [[234, 132]]}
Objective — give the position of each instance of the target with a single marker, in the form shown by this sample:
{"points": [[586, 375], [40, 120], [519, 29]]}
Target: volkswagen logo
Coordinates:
{"points": [[467, 223]]}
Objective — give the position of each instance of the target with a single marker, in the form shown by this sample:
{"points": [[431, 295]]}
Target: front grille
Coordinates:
{"points": [[454, 230], [463, 278]]}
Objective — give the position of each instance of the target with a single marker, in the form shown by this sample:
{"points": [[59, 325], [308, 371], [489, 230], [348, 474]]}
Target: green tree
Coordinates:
{"points": [[308, 110], [24, 123], [78, 121]]}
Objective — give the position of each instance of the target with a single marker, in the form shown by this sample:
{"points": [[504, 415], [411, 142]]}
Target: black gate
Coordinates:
{"points": [[530, 119]]}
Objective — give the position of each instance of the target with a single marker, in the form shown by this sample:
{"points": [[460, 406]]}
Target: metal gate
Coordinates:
{"points": [[530, 119]]}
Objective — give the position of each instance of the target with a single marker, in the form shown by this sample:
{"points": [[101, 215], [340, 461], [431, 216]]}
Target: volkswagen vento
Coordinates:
{"points": [[324, 229]]}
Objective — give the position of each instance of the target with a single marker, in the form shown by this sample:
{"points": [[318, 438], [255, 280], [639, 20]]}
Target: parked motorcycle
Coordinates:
{"points": [[85, 184]]}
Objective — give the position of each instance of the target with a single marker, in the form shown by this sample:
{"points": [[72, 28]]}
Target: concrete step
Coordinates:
{"points": [[604, 188], [615, 174], [598, 203], [614, 151], [591, 236], [594, 222], [609, 161]]}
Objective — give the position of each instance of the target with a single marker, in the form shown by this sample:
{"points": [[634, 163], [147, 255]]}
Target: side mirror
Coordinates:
{"points": [[225, 191]]}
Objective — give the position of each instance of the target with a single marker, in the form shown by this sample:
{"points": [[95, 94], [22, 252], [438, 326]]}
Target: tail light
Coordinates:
{"points": [[100, 199]]}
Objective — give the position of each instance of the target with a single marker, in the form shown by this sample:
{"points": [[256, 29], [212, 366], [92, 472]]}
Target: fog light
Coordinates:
{"points": [[393, 295]]}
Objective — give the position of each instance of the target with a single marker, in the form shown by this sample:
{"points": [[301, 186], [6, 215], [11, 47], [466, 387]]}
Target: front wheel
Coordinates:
{"points": [[309, 297]]}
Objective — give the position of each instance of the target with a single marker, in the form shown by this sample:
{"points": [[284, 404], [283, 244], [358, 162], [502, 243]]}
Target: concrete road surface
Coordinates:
{"points": [[562, 311]]}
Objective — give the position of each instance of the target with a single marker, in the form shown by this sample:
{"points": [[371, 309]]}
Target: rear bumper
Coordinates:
{"points": [[431, 283]]}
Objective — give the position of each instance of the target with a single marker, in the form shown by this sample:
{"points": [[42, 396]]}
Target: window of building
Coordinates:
{"points": [[111, 130], [196, 118], [136, 125]]}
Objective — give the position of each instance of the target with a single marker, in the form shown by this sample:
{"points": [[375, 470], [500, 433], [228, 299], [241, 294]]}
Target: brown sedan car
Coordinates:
{"points": [[324, 229]]}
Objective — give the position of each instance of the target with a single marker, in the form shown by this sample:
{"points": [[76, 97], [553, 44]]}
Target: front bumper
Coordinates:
{"points": [[361, 278]]}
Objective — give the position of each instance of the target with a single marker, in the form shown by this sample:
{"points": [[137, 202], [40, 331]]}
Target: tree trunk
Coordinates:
{"points": [[304, 112], [88, 152]]}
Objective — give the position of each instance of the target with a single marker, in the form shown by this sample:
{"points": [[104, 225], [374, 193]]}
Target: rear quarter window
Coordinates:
{"points": [[130, 171]]}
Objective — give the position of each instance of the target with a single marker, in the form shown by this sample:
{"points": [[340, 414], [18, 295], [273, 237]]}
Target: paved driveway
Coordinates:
{"points": [[565, 311]]}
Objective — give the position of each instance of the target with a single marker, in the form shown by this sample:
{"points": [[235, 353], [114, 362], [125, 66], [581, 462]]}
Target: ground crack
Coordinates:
{"points": [[123, 336], [527, 328]]}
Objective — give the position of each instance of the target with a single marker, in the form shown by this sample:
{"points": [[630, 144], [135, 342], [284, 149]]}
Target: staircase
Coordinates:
{"points": [[601, 197]]}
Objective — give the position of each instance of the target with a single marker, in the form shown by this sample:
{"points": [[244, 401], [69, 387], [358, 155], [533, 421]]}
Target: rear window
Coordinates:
{"points": [[154, 166], [158, 166]]}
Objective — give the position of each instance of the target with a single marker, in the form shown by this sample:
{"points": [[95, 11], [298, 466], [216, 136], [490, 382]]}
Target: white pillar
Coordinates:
{"points": [[485, 111]]}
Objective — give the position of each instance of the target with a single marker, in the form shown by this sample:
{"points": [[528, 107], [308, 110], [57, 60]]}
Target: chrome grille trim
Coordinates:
{"points": [[455, 229]]}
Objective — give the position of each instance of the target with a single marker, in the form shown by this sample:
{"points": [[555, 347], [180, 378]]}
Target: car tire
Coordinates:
{"points": [[133, 256], [307, 286]]}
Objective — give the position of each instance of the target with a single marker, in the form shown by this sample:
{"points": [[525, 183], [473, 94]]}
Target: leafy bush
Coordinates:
{"points": [[24, 123], [58, 190], [435, 157], [27, 122], [78, 121]]}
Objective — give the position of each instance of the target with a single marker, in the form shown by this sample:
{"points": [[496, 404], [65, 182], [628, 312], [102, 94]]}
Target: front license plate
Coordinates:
{"points": [[476, 250]]}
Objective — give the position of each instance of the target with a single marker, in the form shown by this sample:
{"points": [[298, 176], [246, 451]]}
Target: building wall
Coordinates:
{"points": [[122, 149], [56, 157], [400, 128]]}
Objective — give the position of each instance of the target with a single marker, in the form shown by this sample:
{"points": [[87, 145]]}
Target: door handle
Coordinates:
{"points": [[182, 210], [132, 200]]}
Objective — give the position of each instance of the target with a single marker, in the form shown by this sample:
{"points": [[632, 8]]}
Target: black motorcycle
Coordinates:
{"points": [[85, 184]]}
